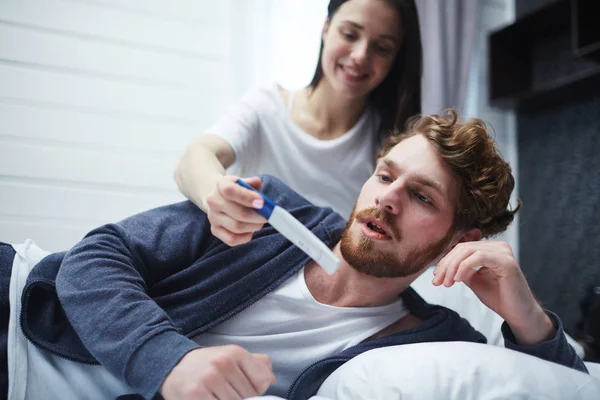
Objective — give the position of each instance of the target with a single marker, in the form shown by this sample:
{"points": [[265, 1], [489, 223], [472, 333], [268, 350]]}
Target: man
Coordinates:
{"points": [[167, 308]]}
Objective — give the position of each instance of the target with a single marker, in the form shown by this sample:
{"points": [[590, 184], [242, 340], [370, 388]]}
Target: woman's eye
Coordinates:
{"points": [[384, 50], [349, 36], [385, 178]]}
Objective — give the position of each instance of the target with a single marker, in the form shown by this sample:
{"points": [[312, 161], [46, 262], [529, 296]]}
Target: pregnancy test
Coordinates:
{"points": [[296, 233]]}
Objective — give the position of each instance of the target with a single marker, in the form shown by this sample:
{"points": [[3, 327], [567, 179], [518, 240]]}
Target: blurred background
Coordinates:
{"points": [[99, 99]]}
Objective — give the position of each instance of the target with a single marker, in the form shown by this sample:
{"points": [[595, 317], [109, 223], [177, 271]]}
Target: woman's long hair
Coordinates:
{"points": [[398, 97]]}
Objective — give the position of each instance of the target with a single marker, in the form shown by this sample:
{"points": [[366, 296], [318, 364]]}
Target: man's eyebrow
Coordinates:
{"points": [[420, 179], [360, 27]]}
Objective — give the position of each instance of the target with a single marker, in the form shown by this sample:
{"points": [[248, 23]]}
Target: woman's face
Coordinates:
{"points": [[360, 44]]}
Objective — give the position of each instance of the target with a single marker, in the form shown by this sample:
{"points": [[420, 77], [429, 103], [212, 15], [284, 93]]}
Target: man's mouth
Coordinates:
{"points": [[375, 229]]}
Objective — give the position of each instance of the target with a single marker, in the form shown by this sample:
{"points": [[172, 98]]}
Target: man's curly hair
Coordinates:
{"points": [[485, 179]]}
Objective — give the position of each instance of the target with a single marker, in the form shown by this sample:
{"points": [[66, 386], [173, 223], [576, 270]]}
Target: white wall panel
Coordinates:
{"points": [[76, 54], [101, 23], [214, 13], [103, 166], [106, 95], [98, 100], [33, 200], [33, 122]]}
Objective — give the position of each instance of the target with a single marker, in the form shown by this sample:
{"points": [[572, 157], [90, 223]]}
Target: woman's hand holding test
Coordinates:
{"points": [[230, 210]]}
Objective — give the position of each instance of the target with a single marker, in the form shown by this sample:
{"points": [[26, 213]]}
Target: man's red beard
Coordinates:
{"points": [[364, 258]]}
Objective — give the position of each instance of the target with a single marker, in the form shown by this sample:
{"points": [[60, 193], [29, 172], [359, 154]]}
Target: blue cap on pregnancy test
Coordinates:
{"points": [[267, 208]]}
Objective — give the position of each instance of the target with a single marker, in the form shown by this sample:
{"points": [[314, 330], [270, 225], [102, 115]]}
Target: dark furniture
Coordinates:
{"points": [[546, 66], [521, 71]]}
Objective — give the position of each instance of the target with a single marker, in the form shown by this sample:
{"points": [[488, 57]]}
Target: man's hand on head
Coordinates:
{"points": [[219, 373], [491, 270]]}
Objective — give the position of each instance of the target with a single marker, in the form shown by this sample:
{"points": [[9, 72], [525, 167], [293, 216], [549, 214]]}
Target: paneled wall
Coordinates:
{"points": [[98, 99]]}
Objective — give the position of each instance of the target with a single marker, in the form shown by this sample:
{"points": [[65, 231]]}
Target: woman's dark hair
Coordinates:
{"points": [[398, 97]]}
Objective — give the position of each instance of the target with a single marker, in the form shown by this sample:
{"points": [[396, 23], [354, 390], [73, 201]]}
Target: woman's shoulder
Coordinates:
{"points": [[284, 93], [270, 97]]}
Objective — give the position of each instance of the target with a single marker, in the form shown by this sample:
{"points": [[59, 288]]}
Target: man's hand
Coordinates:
{"points": [[499, 284], [219, 373], [230, 210]]}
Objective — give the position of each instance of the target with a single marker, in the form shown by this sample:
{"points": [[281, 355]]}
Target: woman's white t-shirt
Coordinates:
{"points": [[266, 140]]}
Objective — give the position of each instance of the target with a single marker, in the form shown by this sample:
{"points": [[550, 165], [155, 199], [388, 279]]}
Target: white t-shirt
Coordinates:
{"points": [[296, 331], [266, 140]]}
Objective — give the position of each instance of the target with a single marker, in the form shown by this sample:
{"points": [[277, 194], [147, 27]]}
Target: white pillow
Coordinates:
{"points": [[593, 368], [455, 371]]}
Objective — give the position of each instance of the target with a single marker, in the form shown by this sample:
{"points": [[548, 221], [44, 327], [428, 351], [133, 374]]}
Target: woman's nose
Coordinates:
{"points": [[360, 52]]}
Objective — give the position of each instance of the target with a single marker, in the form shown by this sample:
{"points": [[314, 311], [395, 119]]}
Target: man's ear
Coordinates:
{"points": [[470, 235]]}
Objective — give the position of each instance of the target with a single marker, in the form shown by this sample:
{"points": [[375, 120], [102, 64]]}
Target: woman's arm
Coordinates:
{"points": [[202, 165], [200, 176]]}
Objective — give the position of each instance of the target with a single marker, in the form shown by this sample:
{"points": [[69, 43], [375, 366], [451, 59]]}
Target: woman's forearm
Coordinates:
{"points": [[203, 163]]}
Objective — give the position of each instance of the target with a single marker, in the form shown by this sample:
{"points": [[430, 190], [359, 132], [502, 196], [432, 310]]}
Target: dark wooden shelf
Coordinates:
{"points": [[586, 32], [547, 57]]}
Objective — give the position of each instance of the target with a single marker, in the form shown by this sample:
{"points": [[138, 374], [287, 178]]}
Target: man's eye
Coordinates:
{"points": [[422, 198], [385, 178]]}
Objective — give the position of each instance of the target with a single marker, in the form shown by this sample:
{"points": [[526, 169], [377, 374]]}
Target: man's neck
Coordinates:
{"points": [[350, 288]]}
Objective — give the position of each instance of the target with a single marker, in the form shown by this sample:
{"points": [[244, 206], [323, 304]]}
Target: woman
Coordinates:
{"points": [[320, 140]]}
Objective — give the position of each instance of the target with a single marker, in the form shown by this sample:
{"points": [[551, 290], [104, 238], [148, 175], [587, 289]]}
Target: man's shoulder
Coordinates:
{"points": [[440, 323], [303, 210], [282, 194]]}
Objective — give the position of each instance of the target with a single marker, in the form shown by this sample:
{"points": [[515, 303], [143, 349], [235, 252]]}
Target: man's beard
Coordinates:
{"points": [[382, 264]]}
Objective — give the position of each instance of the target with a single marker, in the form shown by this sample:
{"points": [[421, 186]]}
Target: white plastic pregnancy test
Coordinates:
{"points": [[296, 233]]}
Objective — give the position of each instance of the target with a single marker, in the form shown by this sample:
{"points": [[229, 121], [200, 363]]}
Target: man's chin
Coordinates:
{"points": [[387, 271], [373, 272]]}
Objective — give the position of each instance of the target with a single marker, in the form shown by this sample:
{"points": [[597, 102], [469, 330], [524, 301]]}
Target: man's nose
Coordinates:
{"points": [[389, 201]]}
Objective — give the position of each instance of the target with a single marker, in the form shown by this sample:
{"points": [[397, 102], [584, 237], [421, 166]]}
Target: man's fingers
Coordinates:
{"points": [[222, 389], [450, 272], [259, 372], [472, 263], [237, 384], [242, 383], [449, 264], [467, 275], [470, 256], [265, 359]]}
